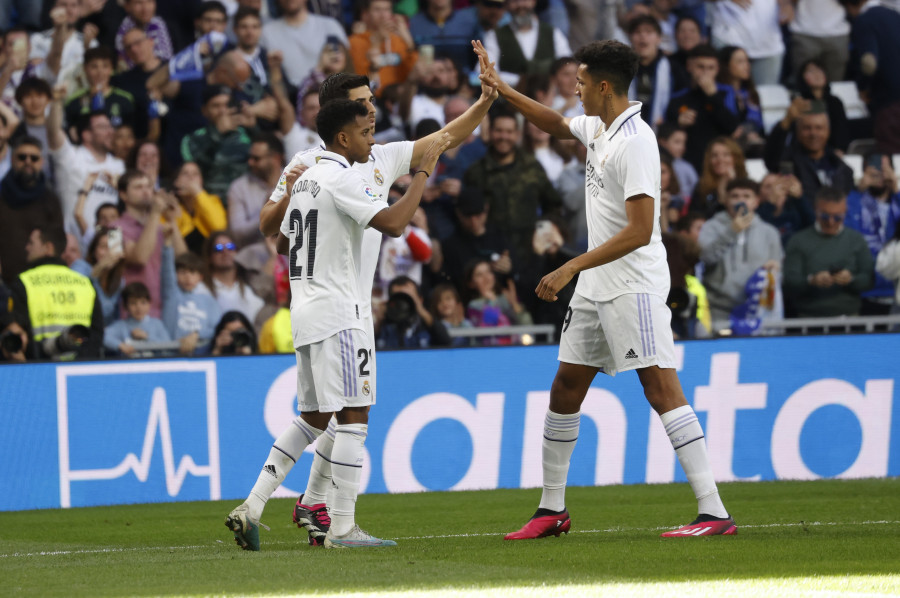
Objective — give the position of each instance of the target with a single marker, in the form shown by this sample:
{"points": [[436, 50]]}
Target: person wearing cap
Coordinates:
{"points": [[221, 148], [385, 51], [474, 239]]}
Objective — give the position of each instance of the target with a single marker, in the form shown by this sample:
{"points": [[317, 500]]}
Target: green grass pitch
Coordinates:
{"points": [[822, 539]]}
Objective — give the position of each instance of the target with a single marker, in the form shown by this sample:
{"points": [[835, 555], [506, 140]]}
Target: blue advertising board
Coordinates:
{"points": [[119, 432]]}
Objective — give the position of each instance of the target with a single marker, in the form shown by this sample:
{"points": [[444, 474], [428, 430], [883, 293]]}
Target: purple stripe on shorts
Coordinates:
{"points": [[650, 331], [343, 361], [642, 324], [353, 390]]}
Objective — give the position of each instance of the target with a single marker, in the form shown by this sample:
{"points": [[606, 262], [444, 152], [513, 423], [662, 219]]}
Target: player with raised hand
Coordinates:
{"points": [[386, 164], [618, 319], [330, 207]]}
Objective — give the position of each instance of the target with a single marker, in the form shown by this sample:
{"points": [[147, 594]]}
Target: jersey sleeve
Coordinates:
{"points": [[356, 198], [394, 157], [578, 126], [639, 168]]}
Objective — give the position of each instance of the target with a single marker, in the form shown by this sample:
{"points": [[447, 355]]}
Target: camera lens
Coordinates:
{"points": [[11, 342], [241, 338]]}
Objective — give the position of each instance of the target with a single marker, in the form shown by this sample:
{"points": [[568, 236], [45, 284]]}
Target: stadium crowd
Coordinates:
{"points": [[139, 141]]}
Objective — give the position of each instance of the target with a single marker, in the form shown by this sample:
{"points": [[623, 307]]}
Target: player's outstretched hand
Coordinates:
{"points": [[552, 283], [292, 175], [433, 152], [488, 76]]}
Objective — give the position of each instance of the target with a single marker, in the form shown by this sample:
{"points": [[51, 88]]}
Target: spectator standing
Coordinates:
{"points": [[876, 44], [142, 232], [99, 95], [820, 32], [734, 244], [226, 280], [142, 15], [14, 64], [107, 261], [827, 266], [146, 157], [201, 212], [447, 31], [26, 202], [220, 149], [516, 188], [799, 144], [873, 209], [249, 192], [139, 325], [688, 35], [302, 134], [657, 77], [814, 84], [563, 75], [700, 109], [437, 82], [756, 27], [544, 148], [72, 165], [334, 58], [300, 35], [139, 49], [571, 190], [722, 163], [63, 46], [525, 46], [189, 314], [385, 51], [33, 95], [743, 101], [673, 139]]}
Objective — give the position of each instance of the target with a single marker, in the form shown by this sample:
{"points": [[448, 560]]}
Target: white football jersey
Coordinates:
{"points": [[386, 164], [330, 207], [622, 161]]}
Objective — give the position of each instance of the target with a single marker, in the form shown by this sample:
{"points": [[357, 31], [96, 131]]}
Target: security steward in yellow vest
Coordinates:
{"points": [[52, 298]]}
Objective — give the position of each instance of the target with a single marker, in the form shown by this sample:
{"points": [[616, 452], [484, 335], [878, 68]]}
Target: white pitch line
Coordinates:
{"points": [[610, 530]]}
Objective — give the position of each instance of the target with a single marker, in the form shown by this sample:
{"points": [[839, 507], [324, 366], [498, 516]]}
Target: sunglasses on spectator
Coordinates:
{"points": [[224, 246], [28, 157], [830, 217]]}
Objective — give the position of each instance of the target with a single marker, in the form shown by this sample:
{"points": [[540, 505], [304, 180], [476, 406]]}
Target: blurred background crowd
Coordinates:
{"points": [[140, 139]]}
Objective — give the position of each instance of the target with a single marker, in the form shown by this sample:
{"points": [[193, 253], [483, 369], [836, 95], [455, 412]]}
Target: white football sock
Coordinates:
{"points": [[346, 467], [687, 439], [320, 472], [560, 434], [287, 449]]}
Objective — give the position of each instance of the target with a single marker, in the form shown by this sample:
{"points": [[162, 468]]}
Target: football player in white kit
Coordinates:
{"points": [[618, 319], [330, 207], [386, 164]]}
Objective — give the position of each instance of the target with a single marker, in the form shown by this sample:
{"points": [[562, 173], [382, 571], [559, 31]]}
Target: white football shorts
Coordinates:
{"points": [[335, 373], [629, 332]]}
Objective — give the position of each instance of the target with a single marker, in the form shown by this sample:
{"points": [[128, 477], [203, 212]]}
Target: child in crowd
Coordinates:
{"points": [[138, 326], [447, 306], [489, 306], [189, 312], [673, 139]]}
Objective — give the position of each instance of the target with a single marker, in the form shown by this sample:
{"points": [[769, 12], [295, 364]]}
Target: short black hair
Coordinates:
{"points": [[703, 51], [104, 206], [126, 179], [743, 183], [85, 121], [32, 85], [609, 60], [426, 127], [338, 86], [830, 195], [501, 110], [27, 140], [214, 91], [135, 290], [684, 18], [99, 53], [274, 144], [667, 129], [558, 64], [189, 261], [212, 6], [244, 12], [55, 235], [639, 20], [336, 115]]}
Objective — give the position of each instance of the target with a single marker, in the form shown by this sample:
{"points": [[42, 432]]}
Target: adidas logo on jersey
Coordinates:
{"points": [[631, 354]]}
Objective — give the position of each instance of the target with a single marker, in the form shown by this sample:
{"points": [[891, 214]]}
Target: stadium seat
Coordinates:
{"points": [[848, 93], [756, 169], [774, 101], [855, 162], [861, 147]]}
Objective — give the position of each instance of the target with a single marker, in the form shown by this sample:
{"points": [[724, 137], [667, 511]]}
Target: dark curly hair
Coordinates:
{"points": [[610, 61]]}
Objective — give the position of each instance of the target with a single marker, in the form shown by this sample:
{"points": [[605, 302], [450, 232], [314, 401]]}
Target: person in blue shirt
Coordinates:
{"points": [[190, 314], [138, 326]]}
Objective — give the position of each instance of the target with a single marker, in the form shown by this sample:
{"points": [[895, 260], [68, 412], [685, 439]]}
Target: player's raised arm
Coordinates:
{"points": [[459, 128], [272, 213], [544, 117], [393, 220]]}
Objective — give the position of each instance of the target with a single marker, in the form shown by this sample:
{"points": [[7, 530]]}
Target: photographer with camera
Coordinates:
{"points": [[734, 244], [58, 306], [407, 322], [13, 340], [233, 335]]}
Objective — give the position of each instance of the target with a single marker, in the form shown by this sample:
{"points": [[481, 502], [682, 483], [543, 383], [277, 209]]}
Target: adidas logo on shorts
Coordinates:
{"points": [[631, 354]]}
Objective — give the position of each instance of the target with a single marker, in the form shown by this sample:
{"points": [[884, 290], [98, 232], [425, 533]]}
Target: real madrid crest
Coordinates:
{"points": [[365, 389], [379, 178]]}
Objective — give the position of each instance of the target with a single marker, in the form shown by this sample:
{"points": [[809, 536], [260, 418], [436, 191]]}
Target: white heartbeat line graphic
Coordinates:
{"points": [[158, 419], [157, 422]]}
